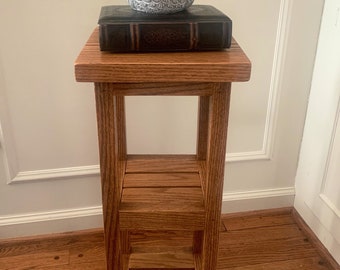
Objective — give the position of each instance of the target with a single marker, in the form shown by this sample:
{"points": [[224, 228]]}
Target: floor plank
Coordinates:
{"points": [[306, 263], [268, 251], [262, 240], [257, 219], [35, 260]]}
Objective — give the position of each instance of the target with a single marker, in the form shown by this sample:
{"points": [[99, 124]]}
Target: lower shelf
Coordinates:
{"points": [[162, 192], [165, 208], [166, 260], [161, 210]]}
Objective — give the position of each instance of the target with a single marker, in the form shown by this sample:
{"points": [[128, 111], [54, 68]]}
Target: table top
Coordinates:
{"points": [[93, 65]]}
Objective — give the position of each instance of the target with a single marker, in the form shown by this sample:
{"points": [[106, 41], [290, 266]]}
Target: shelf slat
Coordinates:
{"points": [[175, 208], [161, 261], [161, 164], [140, 180]]}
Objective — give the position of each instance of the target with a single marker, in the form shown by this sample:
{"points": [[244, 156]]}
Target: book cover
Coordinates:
{"points": [[198, 28]]}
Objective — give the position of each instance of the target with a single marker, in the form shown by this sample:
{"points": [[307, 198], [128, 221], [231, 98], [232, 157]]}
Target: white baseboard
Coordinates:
{"points": [[321, 232], [258, 200], [91, 217], [51, 222]]}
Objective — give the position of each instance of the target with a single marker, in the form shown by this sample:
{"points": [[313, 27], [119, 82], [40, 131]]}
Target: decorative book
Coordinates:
{"points": [[198, 28]]}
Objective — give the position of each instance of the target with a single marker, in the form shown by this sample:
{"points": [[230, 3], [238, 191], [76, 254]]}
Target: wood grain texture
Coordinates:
{"points": [[171, 220], [160, 241], [302, 264], [50, 259], [258, 252], [178, 192], [158, 261], [217, 138], [162, 199], [162, 208], [139, 180], [59, 251], [92, 65], [111, 171], [270, 246], [121, 128], [162, 164], [203, 127], [255, 219], [160, 89]]}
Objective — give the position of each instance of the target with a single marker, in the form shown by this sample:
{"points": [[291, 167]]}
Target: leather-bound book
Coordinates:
{"points": [[199, 28]]}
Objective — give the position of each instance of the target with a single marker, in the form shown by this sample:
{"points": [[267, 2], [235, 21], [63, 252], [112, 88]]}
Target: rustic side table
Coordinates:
{"points": [[162, 192]]}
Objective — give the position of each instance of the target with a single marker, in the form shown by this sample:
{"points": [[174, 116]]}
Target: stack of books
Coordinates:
{"points": [[198, 28]]}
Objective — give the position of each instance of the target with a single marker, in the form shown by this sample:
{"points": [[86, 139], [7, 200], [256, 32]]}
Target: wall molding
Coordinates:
{"points": [[7, 148], [274, 90], [50, 215], [258, 199], [50, 222], [330, 205], [69, 172], [258, 194], [265, 153], [276, 77], [336, 122], [331, 148], [91, 217]]}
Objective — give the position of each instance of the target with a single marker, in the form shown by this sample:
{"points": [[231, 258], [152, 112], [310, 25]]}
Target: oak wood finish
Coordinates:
{"points": [[216, 149], [111, 170], [92, 65], [162, 164], [162, 192], [139, 180], [162, 208], [161, 89], [166, 260], [261, 240]]}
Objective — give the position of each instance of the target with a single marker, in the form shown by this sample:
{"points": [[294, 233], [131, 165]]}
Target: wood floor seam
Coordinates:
{"points": [[257, 241]]}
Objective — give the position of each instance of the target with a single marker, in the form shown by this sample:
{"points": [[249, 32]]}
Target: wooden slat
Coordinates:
{"points": [[92, 65], [162, 199], [158, 240], [156, 261], [162, 208], [139, 180], [161, 164], [165, 220], [160, 89]]}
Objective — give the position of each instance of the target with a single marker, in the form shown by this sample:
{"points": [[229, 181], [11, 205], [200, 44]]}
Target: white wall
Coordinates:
{"points": [[49, 160], [318, 174]]}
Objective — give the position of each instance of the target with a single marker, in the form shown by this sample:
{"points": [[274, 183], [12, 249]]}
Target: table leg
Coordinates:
{"points": [[111, 176], [215, 163]]}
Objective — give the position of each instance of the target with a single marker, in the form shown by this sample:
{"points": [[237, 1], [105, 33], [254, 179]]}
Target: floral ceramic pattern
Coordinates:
{"points": [[160, 6]]}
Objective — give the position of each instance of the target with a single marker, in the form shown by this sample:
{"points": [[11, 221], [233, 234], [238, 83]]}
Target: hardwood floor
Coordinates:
{"points": [[263, 240]]}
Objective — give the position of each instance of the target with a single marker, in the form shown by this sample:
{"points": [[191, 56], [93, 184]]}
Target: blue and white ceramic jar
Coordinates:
{"points": [[160, 6]]}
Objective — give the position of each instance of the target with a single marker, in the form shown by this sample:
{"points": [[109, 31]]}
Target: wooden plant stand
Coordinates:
{"points": [[166, 192]]}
